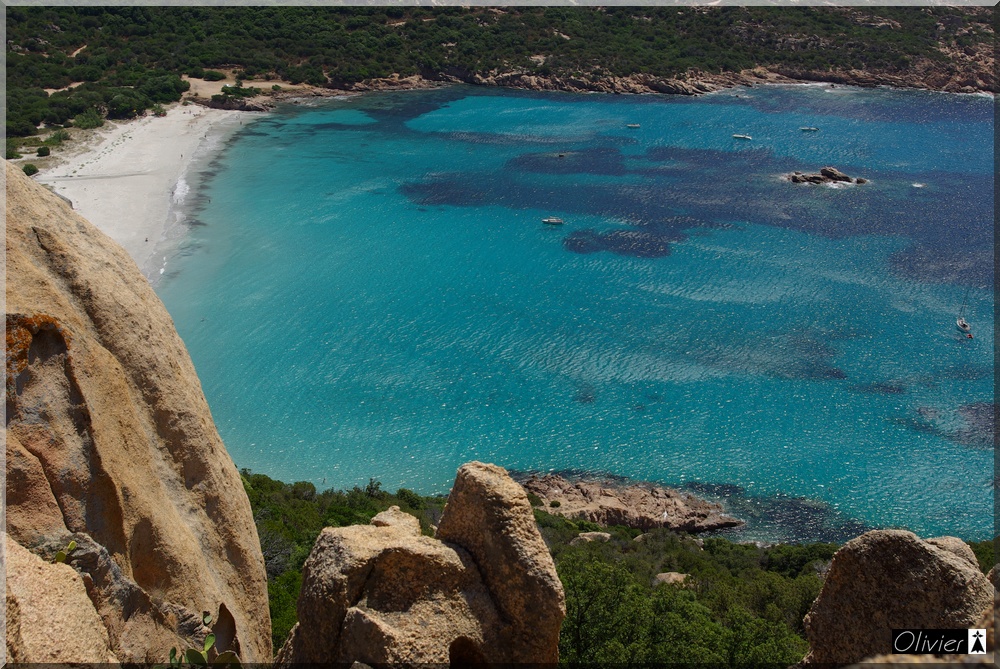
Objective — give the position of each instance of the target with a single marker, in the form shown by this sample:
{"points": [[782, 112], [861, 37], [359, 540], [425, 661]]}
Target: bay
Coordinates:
{"points": [[370, 292]]}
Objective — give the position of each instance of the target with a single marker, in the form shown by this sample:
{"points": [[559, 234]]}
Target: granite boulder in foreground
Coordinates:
{"points": [[110, 443], [641, 506], [890, 579], [485, 590]]}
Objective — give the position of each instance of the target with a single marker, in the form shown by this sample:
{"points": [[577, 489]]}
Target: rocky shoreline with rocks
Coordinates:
{"points": [[923, 76], [643, 506]]}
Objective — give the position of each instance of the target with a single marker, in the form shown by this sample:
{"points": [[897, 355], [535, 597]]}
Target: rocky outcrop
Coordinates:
{"points": [[485, 590], [986, 621], [257, 103], [590, 537], [824, 176], [641, 506], [670, 578], [975, 75], [49, 616], [890, 579], [110, 442]]}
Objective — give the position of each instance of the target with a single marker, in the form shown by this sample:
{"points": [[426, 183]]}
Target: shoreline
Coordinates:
{"points": [[128, 178], [694, 82]]}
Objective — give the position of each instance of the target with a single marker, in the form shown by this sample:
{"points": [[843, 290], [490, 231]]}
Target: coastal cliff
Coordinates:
{"points": [[110, 444]]}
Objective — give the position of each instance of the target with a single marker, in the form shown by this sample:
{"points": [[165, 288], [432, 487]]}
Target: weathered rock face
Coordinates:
{"points": [[49, 616], [640, 506], [986, 621], [890, 579], [484, 590], [110, 441], [489, 515]]}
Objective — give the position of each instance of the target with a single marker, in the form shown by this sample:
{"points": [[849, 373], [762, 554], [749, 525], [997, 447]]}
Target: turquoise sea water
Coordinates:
{"points": [[367, 290]]}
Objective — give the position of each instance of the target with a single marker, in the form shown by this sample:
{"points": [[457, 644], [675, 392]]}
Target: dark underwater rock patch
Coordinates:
{"points": [[781, 518], [977, 430], [878, 388], [635, 243], [600, 160], [980, 425]]}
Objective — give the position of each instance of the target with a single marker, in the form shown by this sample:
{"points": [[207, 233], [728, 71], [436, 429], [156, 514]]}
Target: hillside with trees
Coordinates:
{"points": [[116, 62]]}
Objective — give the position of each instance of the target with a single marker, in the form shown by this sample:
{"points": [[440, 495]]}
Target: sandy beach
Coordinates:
{"points": [[129, 178]]}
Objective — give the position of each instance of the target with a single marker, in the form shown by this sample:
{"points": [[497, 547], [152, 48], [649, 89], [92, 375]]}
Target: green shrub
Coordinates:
{"points": [[275, 87], [555, 504], [43, 151], [534, 499], [213, 75], [410, 499], [57, 138], [30, 169], [12, 150], [88, 119], [985, 554]]}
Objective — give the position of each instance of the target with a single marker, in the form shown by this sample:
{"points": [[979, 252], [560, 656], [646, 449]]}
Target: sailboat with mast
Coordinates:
{"points": [[962, 324]]}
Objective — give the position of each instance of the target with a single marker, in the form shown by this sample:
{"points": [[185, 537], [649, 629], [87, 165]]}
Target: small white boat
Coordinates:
{"points": [[963, 325], [742, 137], [552, 220], [809, 129], [631, 125]]}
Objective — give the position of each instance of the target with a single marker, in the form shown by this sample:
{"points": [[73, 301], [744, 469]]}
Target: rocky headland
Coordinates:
{"points": [[641, 506]]}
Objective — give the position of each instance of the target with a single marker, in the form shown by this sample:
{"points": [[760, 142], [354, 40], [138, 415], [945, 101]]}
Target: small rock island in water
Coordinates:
{"points": [[824, 176]]}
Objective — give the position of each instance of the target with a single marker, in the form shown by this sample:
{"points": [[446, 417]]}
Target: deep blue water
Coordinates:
{"points": [[368, 291]]}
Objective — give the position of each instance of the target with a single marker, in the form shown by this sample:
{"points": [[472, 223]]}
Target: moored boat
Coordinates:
{"points": [[742, 137], [964, 327], [962, 324], [552, 220]]}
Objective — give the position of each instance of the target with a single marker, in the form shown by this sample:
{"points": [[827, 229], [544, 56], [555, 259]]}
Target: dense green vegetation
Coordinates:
{"points": [[742, 605], [130, 58]]}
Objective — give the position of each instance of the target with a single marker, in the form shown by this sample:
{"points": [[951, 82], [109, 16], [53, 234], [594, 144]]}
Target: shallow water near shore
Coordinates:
{"points": [[370, 292]]}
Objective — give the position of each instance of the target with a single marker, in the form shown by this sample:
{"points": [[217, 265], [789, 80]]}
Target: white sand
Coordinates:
{"points": [[130, 180]]}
